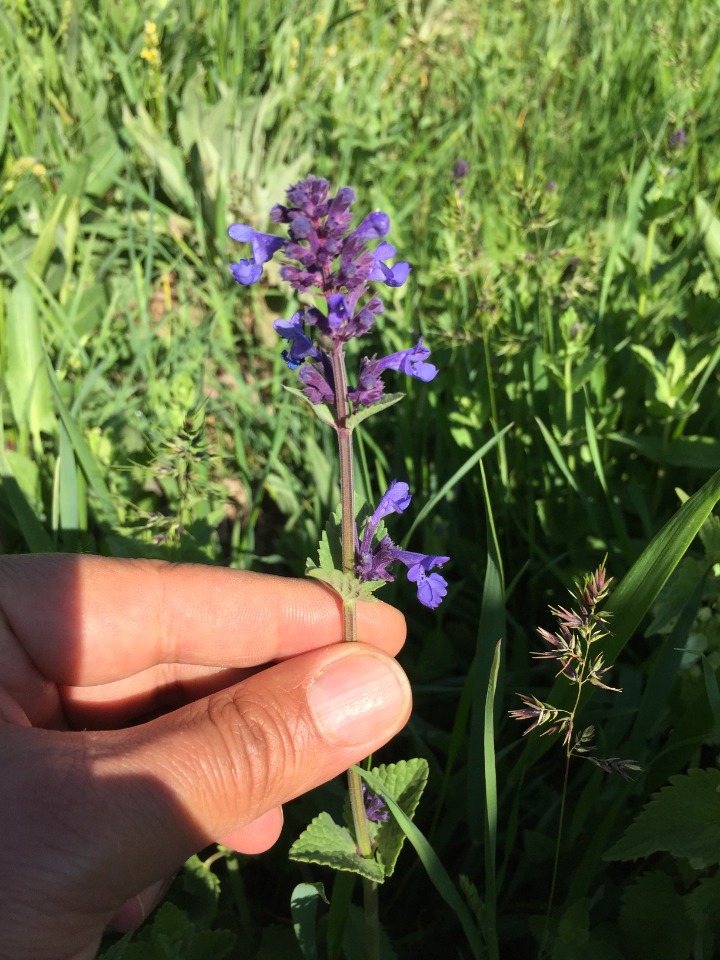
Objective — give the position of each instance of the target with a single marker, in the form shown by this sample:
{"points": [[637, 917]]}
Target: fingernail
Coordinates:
{"points": [[360, 698]]}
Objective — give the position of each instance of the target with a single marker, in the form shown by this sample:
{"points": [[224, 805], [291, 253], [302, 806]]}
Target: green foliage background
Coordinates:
{"points": [[569, 288]]}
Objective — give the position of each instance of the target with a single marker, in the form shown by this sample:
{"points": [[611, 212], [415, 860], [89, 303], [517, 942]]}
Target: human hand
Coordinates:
{"points": [[251, 702]]}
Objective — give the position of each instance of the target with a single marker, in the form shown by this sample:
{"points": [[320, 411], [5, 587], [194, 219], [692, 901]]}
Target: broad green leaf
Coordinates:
{"points": [[169, 935], [330, 845], [36, 538], [700, 453], [654, 920], [405, 781], [709, 227], [354, 419], [26, 377], [321, 411], [82, 450], [682, 819], [703, 903], [6, 89], [303, 908], [163, 155], [47, 240], [201, 886]]}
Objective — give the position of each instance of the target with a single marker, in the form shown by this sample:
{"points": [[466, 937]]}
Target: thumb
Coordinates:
{"points": [[216, 766]]}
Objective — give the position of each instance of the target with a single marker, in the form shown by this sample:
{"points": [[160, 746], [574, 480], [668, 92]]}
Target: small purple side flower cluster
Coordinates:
{"points": [[329, 257], [375, 809], [326, 255], [374, 558]]}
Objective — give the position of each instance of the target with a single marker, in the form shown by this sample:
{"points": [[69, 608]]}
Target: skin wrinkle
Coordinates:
{"points": [[157, 793]]}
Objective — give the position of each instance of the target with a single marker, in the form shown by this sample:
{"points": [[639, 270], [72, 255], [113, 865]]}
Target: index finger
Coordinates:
{"points": [[89, 620]]}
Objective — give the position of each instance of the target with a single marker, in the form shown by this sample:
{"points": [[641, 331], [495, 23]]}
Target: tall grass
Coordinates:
{"points": [[569, 288]]}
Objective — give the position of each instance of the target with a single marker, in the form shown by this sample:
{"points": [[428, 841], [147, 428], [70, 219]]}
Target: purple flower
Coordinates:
{"points": [[461, 169], [411, 362], [374, 806], [301, 346], [390, 276], [677, 139], [264, 246], [431, 587], [396, 499], [317, 379], [373, 561]]}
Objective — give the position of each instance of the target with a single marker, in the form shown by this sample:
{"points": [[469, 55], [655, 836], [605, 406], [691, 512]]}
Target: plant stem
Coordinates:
{"points": [[347, 535]]}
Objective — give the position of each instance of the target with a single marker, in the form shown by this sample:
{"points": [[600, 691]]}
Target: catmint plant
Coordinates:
{"points": [[340, 264]]}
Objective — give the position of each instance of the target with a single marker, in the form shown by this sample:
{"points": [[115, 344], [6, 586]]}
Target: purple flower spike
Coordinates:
{"points": [[301, 346], [264, 247], [390, 276], [410, 362]]}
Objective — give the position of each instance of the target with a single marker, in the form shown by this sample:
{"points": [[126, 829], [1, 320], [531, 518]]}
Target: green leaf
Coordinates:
{"points": [[201, 886], [709, 226], [703, 903], [163, 155], [171, 936], [330, 845], [30, 526], [355, 418], [654, 921], [430, 860], [682, 819], [346, 585], [405, 781], [82, 450], [26, 377], [321, 411], [354, 941], [303, 907]]}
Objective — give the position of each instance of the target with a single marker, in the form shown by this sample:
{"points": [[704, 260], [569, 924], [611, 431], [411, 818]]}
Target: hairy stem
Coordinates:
{"points": [[347, 534]]}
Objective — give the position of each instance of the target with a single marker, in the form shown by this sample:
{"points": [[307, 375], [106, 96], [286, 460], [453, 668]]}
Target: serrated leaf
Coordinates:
{"points": [[346, 585], [326, 843], [703, 904], [682, 819], [321, 411], [654, 921], [171, 936], [201, 886], [405, 781], [330, 546], [355, 418]]}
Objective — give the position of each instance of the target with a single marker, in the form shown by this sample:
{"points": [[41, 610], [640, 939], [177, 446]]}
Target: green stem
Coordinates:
{"points": [[347, 535]]}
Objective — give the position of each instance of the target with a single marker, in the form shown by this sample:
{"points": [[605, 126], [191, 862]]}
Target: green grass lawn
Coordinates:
{"points": [[568, 286]]}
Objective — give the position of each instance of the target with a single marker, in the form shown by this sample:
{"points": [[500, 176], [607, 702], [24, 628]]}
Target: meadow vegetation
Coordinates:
{"points": [[568, 282]]}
